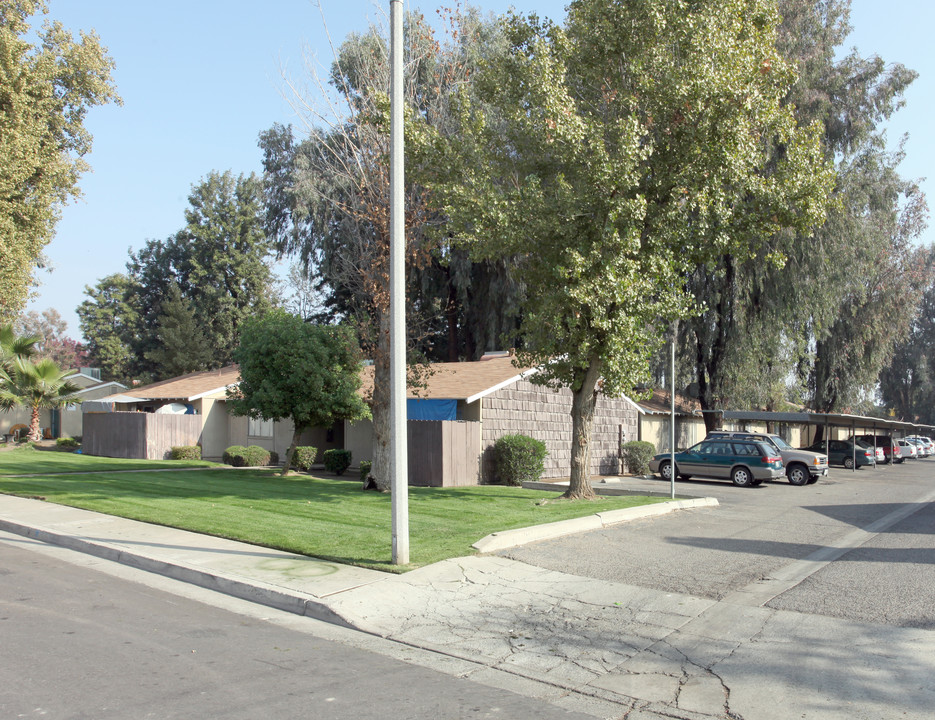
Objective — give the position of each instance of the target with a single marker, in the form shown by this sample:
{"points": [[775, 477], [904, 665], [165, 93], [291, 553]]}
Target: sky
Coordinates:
{"points": [[200, 79]]}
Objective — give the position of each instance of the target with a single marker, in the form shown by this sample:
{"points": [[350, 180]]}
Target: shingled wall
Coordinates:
{"points": [[544, 414]]}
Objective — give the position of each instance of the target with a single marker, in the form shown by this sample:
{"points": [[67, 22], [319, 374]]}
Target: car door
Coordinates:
{"points": [[694, 461], [722, 459]]}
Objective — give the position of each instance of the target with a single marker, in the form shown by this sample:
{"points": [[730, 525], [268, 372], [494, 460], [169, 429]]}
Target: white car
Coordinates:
{"points": [[908, 449], [924, 442]]}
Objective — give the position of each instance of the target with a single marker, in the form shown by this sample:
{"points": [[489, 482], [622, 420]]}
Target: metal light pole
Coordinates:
{"points": [[399, 462], [672, 416]]}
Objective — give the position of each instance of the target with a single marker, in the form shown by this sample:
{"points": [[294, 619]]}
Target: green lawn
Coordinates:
{"points": [[25, 460], [328, 517]]}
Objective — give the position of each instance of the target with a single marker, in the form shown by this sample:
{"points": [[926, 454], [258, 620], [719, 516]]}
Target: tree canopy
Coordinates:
{"points": [[614, 154], [46, 90], [218, 265], [290, 369]]}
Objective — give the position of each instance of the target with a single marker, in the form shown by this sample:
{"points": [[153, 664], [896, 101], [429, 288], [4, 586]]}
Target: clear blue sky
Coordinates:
{"points": [[200, 79]]}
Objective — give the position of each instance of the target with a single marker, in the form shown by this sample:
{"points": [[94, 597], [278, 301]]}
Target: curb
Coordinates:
{"points": [[255, 591], [522, 536]]}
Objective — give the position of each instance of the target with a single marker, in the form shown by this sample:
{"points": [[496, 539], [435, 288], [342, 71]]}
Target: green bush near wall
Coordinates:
{"points": [[304, 457], [637, 454], [185, 452], [365, 466], [518, 459], [337, 461], [253, 456]]}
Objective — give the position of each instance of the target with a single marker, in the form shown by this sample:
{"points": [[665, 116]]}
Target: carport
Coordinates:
{"points": [[810, 420]]}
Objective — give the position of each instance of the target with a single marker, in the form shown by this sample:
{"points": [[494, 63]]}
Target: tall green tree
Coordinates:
{"points": [[109, 320], [46, 90], [220, 264], [219, 261], [907, 383], [765, 322], [181, 346], [290, 369], [615, 154]]}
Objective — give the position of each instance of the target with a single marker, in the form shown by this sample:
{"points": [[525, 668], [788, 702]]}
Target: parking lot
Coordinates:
{"points": [[856, 545]]}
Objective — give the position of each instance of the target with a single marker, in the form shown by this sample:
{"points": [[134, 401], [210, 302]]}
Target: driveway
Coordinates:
{"points": [[859, 546]]}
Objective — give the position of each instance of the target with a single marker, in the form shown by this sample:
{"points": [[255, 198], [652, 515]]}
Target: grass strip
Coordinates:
{"points": [[327, 518]]}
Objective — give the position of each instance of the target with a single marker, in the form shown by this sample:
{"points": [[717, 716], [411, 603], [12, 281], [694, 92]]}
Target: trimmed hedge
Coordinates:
{"points": [[637, 454], [304, 457], [518, 458], [253, 456], [365, 466], [185, 452], [234, 455], [337, 461]]}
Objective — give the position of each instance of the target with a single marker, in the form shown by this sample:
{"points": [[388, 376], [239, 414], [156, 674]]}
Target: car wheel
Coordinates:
{"points": [[741, 477], [849, 463], [665, 469], [812, 479], [756, 483], [797, 474]]}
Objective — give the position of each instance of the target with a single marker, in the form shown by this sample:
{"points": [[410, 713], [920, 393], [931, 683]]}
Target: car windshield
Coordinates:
{"points": [[780, 443]]}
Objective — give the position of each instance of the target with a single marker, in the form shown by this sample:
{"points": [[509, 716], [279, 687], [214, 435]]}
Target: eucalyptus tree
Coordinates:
{"points": [[764, 322], [611, 157], [49, 82]]}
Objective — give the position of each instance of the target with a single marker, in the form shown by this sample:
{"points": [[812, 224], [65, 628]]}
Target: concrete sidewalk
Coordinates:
{"points": [[634, 651]]}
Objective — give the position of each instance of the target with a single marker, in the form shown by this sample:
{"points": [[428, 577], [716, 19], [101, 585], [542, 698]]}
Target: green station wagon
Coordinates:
{"points": [[744, 462]]}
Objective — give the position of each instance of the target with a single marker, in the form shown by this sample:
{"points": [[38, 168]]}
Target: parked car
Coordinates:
{"points": [[802, 466], [908, 448], [924, 447], [845, 452], [891, 451], [744, 462]]}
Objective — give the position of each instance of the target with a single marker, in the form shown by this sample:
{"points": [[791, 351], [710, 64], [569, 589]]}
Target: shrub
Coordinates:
{"points": [[66, 443], [518, 458], [365, 466], [255, 456], [636, 455], [304, 457], [185, 452], [337, 461], [234, 455]]}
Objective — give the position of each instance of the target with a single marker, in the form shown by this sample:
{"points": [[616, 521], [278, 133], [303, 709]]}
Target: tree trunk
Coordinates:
{"points": [[582, 418], [380, 469], [290, 453], [34, 433]]}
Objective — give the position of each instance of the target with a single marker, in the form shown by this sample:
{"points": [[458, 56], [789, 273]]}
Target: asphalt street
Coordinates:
{"points": [[884, 520], [83, 644]]}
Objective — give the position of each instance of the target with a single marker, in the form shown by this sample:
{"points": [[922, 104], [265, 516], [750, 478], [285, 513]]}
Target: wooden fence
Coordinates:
{"points": [[444, 453], [138, 434]]}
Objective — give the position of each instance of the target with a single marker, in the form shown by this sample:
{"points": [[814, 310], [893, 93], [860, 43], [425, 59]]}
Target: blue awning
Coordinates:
{"points": [[421, 409]]}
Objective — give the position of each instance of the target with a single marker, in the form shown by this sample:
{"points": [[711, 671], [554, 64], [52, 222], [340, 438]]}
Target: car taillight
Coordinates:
{"points": [[770, 460]]}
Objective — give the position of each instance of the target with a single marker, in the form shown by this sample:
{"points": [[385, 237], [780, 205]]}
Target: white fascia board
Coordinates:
{"points": [[211, 392], [640, 410], [500, 386]]}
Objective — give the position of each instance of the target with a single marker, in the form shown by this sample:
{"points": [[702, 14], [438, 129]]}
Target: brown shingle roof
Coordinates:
{"points": [[458, 381], [185, 387], [661, 402]]}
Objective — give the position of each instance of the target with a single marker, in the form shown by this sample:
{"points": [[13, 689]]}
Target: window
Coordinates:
{"points": [[259, 427]]}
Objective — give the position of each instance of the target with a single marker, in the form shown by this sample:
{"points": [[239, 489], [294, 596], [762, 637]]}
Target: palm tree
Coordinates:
{"points": [[14, 346], [38, 386]]}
